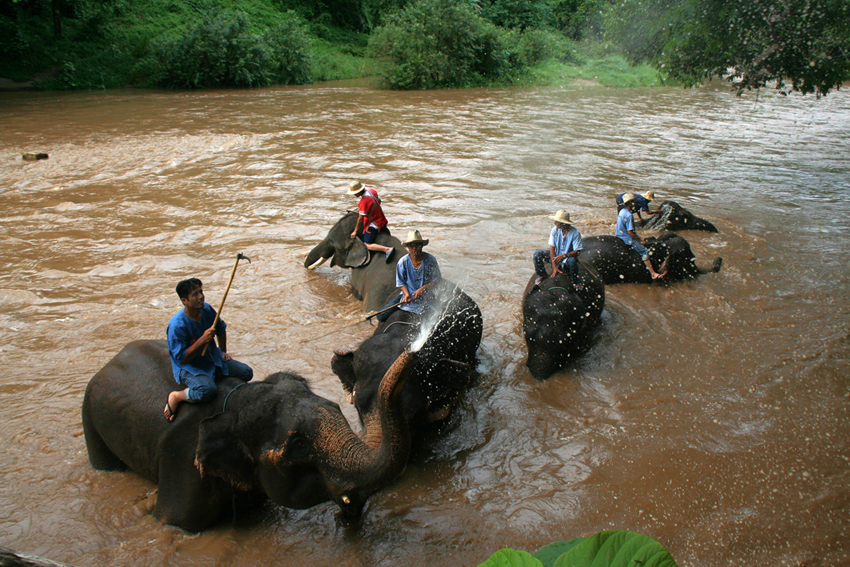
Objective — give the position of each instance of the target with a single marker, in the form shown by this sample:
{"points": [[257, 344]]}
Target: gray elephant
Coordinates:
{"points": [[372, 279], [273, 438], [558, 322], [674, 217], [443, 370], [617, 262]]}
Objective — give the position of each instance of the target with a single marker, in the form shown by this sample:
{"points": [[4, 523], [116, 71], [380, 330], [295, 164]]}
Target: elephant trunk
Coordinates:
{"points": [[318, 255], [356, 467]]}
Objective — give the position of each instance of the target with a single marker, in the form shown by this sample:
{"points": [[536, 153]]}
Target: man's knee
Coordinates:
{"points": [[239, 370], [202, 392]]}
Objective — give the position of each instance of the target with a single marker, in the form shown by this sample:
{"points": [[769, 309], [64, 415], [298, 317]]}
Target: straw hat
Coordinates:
{"points": [[562, 217], [628, 197], [649, 195], [355, 187], [414, 236]]}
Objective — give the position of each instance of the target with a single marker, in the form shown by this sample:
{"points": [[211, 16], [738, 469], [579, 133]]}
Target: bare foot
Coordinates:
{"points": [[172, 403]]}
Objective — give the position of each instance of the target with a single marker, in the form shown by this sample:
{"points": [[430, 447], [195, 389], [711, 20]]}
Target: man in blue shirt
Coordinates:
{"points": [[415, 272], [564, 247], [626, 232], [641, 203], [195, 359]]}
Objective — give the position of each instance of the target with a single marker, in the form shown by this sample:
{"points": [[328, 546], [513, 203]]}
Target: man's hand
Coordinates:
{"points": [[208, 336], [225, 356]]}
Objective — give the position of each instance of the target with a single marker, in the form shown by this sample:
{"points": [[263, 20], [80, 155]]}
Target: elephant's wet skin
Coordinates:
{"points": [[558, 322], [617, 262], [274, 438], [442, 373], [674, 217], [372, 278]]}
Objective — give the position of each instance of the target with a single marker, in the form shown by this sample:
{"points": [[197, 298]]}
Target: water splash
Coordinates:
{"points": [[443, 300]]}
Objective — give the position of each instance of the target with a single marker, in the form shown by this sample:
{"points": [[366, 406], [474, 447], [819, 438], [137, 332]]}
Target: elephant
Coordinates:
{"points": [[559, 322], [273, 438], [372, 278], [443, 370], [674, 217], [617, 262]]}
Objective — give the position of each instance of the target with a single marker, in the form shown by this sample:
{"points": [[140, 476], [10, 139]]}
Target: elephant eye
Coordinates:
{"points": [[298, 446]]}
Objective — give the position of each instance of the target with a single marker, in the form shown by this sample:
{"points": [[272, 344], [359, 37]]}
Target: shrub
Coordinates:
{"points": [[438, 44], [222, 50], [290, 52], [535, 46], [519, 14]]}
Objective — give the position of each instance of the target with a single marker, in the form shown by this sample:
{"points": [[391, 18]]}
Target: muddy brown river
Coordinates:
{"points": [[710, 415]]}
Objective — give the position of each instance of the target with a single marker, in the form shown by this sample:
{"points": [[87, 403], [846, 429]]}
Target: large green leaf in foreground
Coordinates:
{"points": [[617, 548], [612, 548], [511, 558]]}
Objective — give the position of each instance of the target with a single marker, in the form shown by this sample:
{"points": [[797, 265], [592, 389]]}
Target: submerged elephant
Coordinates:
{"points": [[559, 322], [372, 279], [617, 262], [443, 369], [274, 438], [674, 217]]}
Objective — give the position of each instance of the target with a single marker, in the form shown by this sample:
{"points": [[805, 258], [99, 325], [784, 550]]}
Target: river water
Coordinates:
{"points": [[710, 415]]}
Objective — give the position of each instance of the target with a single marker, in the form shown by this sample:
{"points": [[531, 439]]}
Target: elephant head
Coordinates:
{"points": [[274, 438], [371, 282], [681, 262], [558, 322], [443, 370], [345, 251], [617, 262], [674, 217]]}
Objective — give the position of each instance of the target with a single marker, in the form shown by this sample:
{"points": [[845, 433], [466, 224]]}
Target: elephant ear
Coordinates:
{"points": [[342, 364], [222, 454], [356, 255]]}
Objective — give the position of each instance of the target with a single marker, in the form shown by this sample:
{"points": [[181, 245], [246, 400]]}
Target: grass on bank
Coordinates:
{"points": [[120, 45]]}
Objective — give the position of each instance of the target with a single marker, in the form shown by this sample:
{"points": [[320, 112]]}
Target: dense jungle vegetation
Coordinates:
{"points": [[801, 45]]}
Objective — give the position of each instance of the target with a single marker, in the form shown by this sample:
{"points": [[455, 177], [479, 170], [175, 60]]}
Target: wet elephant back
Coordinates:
{"points": [[124, 402]]}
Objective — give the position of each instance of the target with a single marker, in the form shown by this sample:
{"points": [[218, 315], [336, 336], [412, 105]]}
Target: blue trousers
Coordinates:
{"points": [[202, 387], [640, 249], [541, 258]]}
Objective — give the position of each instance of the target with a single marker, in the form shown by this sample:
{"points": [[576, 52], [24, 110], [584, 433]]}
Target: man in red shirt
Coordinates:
{"points": [[371, 220]]}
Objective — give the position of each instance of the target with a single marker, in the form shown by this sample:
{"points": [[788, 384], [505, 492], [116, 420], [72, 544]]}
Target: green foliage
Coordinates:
{"points": [[534, 46], [580, 19], [550, 553], [612, 548], [440, 44], [519, 14], [222, 50], [804, 42]]}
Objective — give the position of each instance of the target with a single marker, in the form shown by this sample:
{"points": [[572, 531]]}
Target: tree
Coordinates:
{"points": [[752, 42], [435, 44]]}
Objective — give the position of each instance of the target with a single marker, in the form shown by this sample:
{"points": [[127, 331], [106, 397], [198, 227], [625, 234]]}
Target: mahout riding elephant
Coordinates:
{"points": [[674, 217], [559, 322], [372, 278], [443, 370], [273, 438], [617, 262]]}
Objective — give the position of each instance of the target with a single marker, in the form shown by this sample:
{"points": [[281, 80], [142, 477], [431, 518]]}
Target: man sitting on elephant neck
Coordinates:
{"points": [[371, 220], [626, 232], [564, 247], [415, 272], [641, 203], [195, 359]]}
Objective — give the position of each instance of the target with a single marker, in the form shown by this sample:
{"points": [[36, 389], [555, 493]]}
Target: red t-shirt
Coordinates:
{"points": [[370, 207]]}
